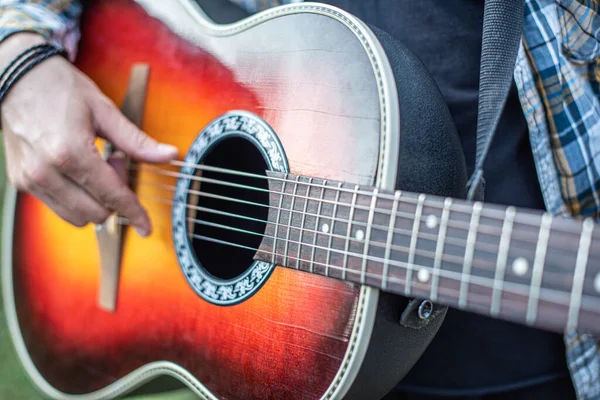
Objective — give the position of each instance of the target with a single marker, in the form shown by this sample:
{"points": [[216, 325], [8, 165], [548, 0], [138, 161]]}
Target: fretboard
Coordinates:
{"points": [[518, 265]]}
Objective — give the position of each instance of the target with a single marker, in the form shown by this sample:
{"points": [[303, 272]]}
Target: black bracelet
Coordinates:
{"points": [[23, 63]]}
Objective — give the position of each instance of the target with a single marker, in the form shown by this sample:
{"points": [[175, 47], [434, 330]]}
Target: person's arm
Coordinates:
{"points": [[52, 116]]}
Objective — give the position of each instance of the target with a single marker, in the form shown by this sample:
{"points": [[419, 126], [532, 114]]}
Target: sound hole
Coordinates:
{"points": [[225, 261]]}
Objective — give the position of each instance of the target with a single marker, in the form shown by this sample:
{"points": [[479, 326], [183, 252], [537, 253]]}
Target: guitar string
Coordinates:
{"points": [[421, 235], [250, 187], [549, 277], [482, 229], [552, 295], [458, 224], [459, 205], [465, 226], [450, 293]]}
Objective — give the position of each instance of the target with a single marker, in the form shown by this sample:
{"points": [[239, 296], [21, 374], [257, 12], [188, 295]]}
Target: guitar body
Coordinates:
{"points": [[322, 82]]}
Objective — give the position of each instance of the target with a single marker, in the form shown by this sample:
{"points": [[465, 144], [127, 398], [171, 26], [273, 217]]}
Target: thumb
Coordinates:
{"points": [[113, 126]]}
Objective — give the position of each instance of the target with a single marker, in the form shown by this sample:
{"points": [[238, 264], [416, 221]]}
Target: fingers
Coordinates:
{"points": [[117, 162], [123, 134], [88, 170], [81, 187], [60, 194], [52, 135]]}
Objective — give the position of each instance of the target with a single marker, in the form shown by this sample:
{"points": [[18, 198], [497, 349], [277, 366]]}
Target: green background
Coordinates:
{"points": [[14, 384]]}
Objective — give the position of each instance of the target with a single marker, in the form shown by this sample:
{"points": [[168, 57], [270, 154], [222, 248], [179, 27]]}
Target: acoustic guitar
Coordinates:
{"points": [[310, 237]]}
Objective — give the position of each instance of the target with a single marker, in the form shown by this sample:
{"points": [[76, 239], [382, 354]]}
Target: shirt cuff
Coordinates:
{"points": [[62, 30]]}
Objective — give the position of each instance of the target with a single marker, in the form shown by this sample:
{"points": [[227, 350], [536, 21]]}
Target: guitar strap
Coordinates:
{"points": [[502, 30], [404, 339]]}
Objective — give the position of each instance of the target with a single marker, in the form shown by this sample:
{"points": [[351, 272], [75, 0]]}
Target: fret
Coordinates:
{"points": [[276, 236], [501, 261], [363, 272], [333, 218], [289, 228], [388, 243], [469, 252], [349, 231], [544, 281], [439, 251], [579, 274], [303, 223], [314, 244], [538, 268], [413, 243]]}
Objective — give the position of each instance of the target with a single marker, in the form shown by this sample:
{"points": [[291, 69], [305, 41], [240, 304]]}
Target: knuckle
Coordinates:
{"points": [[129, 206], [64, 159], [100, 216], [139, 138], [89, 146], [132, 134], [37, 175], [114, 199], [81, 177], [75, 217], [77, 221]]}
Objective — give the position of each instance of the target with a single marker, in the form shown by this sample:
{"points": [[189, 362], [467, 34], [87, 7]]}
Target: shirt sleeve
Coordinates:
{"points": [[56, 20]]}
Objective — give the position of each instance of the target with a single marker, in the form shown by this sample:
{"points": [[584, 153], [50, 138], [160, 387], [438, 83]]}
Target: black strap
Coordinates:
{"points": [[502, 30]]}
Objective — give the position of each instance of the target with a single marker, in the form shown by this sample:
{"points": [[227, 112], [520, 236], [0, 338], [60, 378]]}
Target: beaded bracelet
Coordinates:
{"points": [[23, 63]]}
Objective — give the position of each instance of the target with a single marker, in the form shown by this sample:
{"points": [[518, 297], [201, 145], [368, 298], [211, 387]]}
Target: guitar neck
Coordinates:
{"points": [[518, 265]]}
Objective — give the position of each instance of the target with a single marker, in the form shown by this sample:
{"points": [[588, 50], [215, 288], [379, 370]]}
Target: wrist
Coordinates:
{"points": [[16, 43], [19, 56]]}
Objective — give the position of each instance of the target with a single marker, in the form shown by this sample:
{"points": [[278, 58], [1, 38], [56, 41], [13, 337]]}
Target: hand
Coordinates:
{"points": [[51, 118]]}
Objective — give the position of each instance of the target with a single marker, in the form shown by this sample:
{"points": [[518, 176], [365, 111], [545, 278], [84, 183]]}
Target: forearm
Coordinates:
{"points": [[57, 21]]}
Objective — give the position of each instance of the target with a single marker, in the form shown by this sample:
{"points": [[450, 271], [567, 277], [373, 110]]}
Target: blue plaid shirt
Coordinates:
{"points": [[558, 77]]}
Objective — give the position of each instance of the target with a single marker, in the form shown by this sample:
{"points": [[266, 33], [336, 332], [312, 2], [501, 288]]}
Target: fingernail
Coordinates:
{"points": [[167, 149], [141, 231]]}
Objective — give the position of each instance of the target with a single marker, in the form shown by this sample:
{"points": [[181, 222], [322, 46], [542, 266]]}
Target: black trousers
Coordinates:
{"points": [[560, 389]]}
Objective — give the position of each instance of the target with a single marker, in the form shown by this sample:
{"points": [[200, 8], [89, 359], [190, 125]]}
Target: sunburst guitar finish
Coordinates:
{"points": [[321, 82]]}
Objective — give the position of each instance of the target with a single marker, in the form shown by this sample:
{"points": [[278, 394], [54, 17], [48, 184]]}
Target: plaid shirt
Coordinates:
{"points": [[558, 78]]}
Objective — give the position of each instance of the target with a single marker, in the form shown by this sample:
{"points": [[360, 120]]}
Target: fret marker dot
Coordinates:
{"points": [[597, 283], [431, 221], [520, 266], [325, 228], [360, 235], [423, 275]]}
